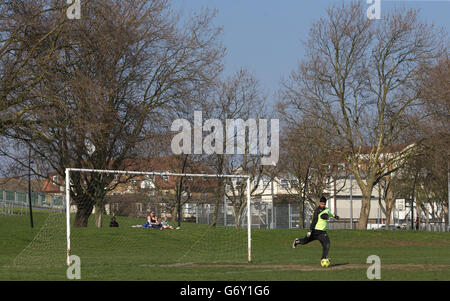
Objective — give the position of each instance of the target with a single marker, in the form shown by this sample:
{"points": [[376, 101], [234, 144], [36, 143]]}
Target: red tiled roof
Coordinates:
{"points": [[170, 164]]}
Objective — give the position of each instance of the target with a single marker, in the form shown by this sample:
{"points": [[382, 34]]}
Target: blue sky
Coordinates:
{"points": [[265, 36]]}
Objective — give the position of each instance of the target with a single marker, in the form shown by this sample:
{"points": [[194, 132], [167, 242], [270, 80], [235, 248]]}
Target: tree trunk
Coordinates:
{"points": [[427, 219], [389, 199], [418, 214], [99, 201], [300, 219], [215, 213], [82, 216], [445, 212], [87, 200], [175, 213], [219, 196], [98, 216], [388, 215], [303, 198], [237, 217], [365, 209]]}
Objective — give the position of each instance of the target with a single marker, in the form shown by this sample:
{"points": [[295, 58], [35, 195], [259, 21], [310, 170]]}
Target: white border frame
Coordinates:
{"points": [[68, 170]]}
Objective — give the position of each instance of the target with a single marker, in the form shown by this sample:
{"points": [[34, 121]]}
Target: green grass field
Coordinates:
{"points": [[196, 253]]}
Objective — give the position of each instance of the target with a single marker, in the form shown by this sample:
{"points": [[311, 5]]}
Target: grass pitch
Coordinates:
{"points": [[195, 252]]}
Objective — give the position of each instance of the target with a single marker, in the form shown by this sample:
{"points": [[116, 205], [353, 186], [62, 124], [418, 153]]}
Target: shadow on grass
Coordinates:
{"points": [[338, 264]]}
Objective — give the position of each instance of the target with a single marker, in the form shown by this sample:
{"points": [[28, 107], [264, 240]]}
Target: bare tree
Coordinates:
{"points": [[309, 159], [27, 30], [237, 98], [120, 63], [434, 82], [430, 169], [388, 193], [359, 77]]}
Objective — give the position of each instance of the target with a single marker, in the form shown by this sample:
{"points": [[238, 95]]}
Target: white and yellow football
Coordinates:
{"points": [[325, 263]]}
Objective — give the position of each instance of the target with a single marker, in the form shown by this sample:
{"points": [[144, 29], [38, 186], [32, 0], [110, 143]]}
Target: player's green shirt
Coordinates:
{"points": [[322, 223]]}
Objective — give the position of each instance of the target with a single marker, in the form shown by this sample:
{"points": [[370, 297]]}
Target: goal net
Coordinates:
{"points": [[143, 219]]}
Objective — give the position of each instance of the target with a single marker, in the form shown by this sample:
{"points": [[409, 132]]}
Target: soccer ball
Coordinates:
{"points": [[325, 263]]}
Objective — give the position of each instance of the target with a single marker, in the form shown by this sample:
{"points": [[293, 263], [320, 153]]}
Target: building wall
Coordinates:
{"points": [[342, 208]]}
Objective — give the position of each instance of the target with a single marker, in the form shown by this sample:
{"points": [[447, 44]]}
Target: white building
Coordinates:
{"points": [[339, 203]]}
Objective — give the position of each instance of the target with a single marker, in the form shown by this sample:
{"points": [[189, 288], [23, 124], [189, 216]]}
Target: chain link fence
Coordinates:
{"points": [[16, 202], [288, 216], [264, 215]]}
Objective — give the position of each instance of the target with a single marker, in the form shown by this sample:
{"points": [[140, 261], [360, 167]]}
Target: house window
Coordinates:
{"points": [[285, 184], [55, 179], [294, 183]]}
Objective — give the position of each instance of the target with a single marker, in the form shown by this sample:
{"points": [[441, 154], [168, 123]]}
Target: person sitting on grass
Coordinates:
{"points": [[113, 222], [165, 224], [147, 224], [154, 222]]}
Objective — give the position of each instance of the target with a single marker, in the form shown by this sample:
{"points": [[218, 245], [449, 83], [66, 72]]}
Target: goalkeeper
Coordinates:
{"points": [[318, 228]]}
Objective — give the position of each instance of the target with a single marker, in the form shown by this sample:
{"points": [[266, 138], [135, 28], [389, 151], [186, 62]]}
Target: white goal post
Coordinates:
{"points": [[161, 174]]}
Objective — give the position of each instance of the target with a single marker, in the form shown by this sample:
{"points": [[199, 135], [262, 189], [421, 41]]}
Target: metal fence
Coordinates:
{"points": [[342, 225], [434, 227], [264, 215], [16, 202], [287, 216]]}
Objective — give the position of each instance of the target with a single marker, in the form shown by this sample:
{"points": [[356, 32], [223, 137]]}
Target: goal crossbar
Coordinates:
{"points": [[161, 174], [152, 173]]}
